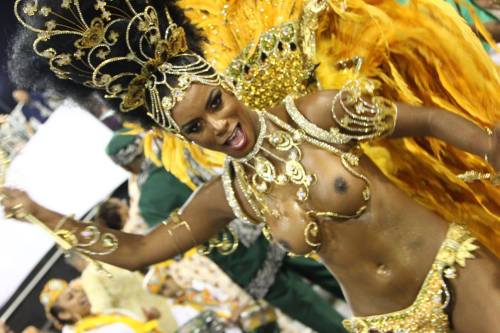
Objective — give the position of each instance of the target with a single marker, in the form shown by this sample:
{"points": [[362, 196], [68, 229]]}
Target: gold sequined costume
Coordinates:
{"points": [[410, 51]]}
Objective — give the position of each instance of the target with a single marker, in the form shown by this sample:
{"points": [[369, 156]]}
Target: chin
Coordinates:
{"points": [[240, 143]]}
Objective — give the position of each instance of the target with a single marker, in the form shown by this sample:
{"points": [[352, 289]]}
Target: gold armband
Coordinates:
{"points": [[472, 175], [364, 116], [175, 222]]}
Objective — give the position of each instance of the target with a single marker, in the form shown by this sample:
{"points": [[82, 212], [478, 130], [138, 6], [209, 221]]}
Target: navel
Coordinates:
{"points": [[383, 270]]}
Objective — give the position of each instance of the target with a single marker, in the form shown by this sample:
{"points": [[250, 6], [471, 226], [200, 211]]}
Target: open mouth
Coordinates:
{"points": [[237, 140]]}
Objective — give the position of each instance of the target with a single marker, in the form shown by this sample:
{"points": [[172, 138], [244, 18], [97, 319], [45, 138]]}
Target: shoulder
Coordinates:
{"points": [[316, 108]]}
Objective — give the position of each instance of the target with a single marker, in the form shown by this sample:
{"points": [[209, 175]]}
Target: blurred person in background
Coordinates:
{"points": [[69, 308]]}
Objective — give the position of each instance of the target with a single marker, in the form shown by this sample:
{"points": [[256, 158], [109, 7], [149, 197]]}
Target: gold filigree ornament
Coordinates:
{"points": [[472, 175], [130, 53], [311, 234], [275, 66], [226, 242]]}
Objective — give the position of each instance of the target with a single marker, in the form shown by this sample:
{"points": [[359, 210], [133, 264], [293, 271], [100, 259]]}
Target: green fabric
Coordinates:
{"points": [[118, 141], [314, 272], [290, 293], [297, 299], [483, 14], [161, 193], [244, 263]]}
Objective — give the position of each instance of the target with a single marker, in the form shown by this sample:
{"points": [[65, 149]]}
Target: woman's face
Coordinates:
{"points": [[215, 119], [75, 303]]}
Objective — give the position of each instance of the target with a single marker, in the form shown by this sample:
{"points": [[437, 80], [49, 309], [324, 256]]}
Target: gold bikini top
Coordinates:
{"points": [[359, 116]]}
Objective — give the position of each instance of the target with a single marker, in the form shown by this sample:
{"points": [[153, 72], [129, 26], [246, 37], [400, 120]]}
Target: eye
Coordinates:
{"points": [[216, 101], [193, 127]]}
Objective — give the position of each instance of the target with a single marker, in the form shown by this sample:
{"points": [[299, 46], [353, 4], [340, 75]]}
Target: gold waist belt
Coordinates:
{"points": [[427, 313]]}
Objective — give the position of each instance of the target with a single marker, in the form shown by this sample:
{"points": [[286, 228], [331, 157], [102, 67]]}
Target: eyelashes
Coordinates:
{"points": [[214, 104], [193, 127], [216, 101]]}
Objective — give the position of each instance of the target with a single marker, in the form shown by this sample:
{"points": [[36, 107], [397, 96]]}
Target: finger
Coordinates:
{"points": [[17, 207], [8, 191]]}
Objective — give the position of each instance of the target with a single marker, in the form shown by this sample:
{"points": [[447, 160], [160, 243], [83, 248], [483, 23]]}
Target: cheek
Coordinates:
{"points": [[204, 140]]}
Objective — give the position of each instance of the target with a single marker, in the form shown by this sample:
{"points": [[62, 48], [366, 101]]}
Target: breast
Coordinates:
{"points": [[288, 219], [337, 190]]}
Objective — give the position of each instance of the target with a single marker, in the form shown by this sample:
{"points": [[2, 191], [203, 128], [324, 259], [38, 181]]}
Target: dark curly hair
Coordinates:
{"points": [[29, 71], [108, 215]]}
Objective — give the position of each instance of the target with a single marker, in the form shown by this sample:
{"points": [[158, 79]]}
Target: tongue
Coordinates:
{"points": [[237, 138]]}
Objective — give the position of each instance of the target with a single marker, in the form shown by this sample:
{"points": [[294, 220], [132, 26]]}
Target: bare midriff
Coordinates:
{"points": [[381, 258]]}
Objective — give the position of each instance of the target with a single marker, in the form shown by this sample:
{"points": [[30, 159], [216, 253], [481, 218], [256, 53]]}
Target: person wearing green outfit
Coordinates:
{"points": [[261, 268], [153, 181]]}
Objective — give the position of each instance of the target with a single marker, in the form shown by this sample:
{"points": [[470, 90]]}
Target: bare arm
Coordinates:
{"points": [[415, 121], [206, 213]]}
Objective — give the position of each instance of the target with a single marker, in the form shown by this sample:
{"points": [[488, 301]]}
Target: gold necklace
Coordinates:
{"points": [[261, 159], [264, 162]]}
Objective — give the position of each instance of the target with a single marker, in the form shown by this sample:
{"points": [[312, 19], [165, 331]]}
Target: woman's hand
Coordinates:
{"points": [[17, 203]]}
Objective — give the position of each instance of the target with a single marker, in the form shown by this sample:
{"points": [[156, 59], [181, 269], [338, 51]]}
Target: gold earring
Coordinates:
{"points": [[312, 229]]}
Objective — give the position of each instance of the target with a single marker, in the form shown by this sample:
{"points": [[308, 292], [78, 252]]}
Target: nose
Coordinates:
{"points": [[220, 126]]}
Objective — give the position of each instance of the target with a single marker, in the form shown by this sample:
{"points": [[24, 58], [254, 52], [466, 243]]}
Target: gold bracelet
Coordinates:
{"points": [[472, 175]]}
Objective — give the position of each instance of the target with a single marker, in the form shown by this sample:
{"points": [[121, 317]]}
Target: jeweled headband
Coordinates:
{"points": [[90, 52]]}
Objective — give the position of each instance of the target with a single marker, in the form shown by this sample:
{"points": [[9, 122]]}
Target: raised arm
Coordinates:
{"points": [[444, 125], [333, 112], [203, 216]]}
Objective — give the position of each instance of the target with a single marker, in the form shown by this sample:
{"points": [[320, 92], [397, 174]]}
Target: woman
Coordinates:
{"points": [[297, 167]]}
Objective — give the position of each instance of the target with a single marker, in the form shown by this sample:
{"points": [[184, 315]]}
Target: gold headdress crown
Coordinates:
{"points": [[115, 47]]}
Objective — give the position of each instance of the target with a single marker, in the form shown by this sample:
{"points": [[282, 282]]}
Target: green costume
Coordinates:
{"points": [[259, 267], [159, 188]]}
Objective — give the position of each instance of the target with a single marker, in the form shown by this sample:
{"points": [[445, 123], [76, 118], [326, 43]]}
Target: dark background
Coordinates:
{"points": [[8, 25]]}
